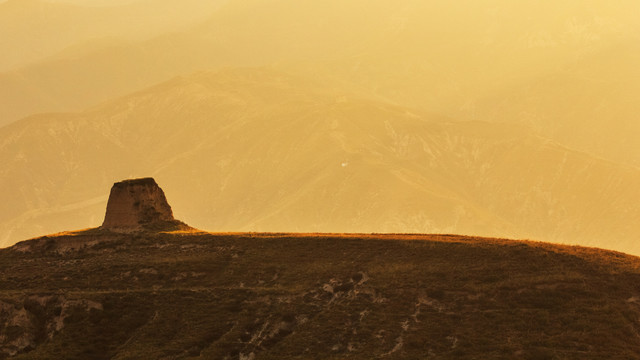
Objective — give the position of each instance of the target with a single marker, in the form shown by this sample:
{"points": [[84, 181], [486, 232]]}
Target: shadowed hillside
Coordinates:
{"points": [[102, 295]]}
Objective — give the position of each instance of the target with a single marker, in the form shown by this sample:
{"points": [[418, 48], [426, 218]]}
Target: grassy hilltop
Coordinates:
{"points": [[189, 295]]}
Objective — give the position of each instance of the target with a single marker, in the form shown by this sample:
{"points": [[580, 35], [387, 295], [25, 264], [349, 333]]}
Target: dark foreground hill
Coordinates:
{"points": [[102, 295]]}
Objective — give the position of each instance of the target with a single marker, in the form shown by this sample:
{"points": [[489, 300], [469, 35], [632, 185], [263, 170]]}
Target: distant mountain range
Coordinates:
{"points": [[256, 149], [567, 70]]}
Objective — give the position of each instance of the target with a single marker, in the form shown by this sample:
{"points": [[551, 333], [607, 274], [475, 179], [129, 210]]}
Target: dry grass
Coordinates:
{"points": [[191, 294]]}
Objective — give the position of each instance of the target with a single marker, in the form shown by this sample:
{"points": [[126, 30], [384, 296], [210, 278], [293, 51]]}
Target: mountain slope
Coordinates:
{"points": [[291, 296], [590, 105], [259, 150], [408, 52]]}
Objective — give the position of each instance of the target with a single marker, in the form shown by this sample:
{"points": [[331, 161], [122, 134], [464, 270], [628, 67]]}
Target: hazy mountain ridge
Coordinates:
{"points": [[37, 29], [396, 51], [589, 105], [69, 84], [231, 142]]}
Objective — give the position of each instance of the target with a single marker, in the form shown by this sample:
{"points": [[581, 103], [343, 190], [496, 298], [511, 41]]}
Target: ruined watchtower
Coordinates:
{"points": [[137, 204]]}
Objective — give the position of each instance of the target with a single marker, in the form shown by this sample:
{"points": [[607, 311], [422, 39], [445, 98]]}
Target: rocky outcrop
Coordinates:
{"points": [[26, 323], [137, 204]]}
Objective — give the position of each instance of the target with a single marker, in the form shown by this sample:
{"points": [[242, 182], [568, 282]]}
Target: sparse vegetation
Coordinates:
{"points": [[218, 296]]}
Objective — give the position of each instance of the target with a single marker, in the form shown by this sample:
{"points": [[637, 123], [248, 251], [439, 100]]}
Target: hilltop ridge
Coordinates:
{"points": [[144, 285]]}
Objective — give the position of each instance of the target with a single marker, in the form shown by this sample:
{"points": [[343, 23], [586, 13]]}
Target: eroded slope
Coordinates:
{"points": [[284, 296]]}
